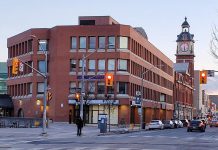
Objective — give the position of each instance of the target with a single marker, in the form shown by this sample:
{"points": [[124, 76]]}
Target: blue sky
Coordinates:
{"points": [[161, 20]]}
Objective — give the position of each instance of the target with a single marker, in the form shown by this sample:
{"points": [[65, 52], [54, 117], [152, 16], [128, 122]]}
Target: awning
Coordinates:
{"points": [[6, 101]]}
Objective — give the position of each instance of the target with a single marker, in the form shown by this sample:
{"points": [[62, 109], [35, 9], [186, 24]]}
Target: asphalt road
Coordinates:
{"points": [[169, 139]]}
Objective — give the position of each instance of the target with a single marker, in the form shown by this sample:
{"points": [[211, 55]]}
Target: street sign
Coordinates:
{"points": [[138, 93], [210, 73], [137, 100]]}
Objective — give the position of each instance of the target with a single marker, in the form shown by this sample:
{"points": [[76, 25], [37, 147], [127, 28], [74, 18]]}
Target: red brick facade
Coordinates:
{"points": [[129, 60]]}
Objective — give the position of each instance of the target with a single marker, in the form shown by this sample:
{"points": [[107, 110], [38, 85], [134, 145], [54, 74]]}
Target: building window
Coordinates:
{"points": [[111, 42], [72, 87], [123, 42], [110, 90], [91, 89], [101, 65], [101, 42], [41, 66], [111, 64], [82, 42], [80, 85], [73, 43], [122, 88], [40, 88], [162, 97], [101, 88], [43, 45], [91, 65], [92, 42], [122, 65], [81, 64], [72, 65], [30, 88]]}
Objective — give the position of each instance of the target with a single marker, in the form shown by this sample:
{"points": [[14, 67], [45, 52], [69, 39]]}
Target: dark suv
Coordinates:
{"points": [[196, 125]]}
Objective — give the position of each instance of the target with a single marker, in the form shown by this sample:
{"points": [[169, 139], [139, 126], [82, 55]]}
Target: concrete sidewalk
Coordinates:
{"points": [[60, 130]]}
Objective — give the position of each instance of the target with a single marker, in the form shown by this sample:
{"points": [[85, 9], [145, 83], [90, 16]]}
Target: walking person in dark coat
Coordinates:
{"points": [[79, 123]]}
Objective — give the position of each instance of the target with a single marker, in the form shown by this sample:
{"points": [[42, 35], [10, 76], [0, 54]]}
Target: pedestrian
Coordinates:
{"points": [[79, 123]]}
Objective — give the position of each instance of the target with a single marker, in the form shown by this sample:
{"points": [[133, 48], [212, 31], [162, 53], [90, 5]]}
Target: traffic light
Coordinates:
{"points": [[49, 96], [109, 79], [77, 97], [15, 65], [203, 77]]}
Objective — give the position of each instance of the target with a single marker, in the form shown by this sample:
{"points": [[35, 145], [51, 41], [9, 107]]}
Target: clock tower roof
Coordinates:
{"points": [[185, 24], [185, 35]]}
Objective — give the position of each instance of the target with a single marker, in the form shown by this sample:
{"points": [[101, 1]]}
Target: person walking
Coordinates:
{"points": [[79, 123]]}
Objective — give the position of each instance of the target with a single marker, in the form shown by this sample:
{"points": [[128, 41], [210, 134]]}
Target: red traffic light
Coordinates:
{"points": [[203, 77], [109, 79]]}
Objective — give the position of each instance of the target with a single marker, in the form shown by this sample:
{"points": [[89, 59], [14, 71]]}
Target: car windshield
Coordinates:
{"points": [[195, 122], [166, 121], [154, 121]]}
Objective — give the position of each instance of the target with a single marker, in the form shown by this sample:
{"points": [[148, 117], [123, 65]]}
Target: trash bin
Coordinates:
{"points": [[99, 118], [103, 125]]}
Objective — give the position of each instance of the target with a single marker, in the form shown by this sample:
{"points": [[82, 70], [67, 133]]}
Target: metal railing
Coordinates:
{"points": [[18, 122]]}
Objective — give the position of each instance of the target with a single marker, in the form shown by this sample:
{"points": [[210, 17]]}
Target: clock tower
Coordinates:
{"points": [[185, 47]]}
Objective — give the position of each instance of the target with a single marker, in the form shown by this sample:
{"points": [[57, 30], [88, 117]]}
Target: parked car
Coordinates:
{"points": [[168, 124], [214, 123], [185, 122], [196, 125], [180, 124], [156, 124], [176, 123]]}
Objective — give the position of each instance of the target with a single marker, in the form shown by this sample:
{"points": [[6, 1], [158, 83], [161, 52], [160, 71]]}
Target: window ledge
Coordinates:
{"points": [[82, 50], [101, 50], [72, 50], [72, 73], [110, 50]]}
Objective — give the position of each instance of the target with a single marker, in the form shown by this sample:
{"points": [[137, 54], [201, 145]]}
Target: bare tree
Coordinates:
{"points": [[214, 43]]}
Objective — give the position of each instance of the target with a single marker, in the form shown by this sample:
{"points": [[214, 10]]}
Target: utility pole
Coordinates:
{"points": [[141, 105], [82, 90]]}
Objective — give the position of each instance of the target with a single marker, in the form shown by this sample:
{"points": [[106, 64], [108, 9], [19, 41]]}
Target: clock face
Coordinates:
{"points": [[184, 47]]}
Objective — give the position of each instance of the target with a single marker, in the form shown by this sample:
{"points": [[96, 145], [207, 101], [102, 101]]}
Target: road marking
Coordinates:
{"points": [[132, 136], [148, 136]]}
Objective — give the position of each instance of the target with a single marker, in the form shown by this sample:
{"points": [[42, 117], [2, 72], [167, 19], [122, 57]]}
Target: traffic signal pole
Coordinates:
{"points": [[142, 111], [82, 90]]}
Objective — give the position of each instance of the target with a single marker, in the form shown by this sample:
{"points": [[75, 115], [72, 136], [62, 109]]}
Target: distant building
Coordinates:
{"points": [[119, 49], [3, 77], [184, 74], [214, 99]]}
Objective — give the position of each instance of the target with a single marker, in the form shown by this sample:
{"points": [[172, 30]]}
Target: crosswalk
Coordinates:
{"points": [[77, 148]]}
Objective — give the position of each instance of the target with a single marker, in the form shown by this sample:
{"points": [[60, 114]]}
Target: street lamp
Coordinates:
{"points": [[83, 74], [142, 75], [45, 86]]}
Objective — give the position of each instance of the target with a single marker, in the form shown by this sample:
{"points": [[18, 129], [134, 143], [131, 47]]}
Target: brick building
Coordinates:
{"points": [[108, 46], [184, 74]]}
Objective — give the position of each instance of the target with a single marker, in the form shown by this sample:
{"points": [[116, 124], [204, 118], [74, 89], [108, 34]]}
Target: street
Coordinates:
{"points": [[63, 136]]}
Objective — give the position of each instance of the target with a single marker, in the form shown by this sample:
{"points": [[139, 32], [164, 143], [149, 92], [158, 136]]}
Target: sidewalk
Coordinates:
{"points": [[63, 129]]}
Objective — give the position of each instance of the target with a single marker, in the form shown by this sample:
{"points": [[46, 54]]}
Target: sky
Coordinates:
{"points": [[161, 19]]}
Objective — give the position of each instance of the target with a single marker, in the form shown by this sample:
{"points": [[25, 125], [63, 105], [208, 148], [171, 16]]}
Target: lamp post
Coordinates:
{"points": [[142, 75], [45, 86], [83, 74]]}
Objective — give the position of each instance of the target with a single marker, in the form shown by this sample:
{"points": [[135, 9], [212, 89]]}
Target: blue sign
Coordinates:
{"points": [[91, 77], [137, 100]]}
